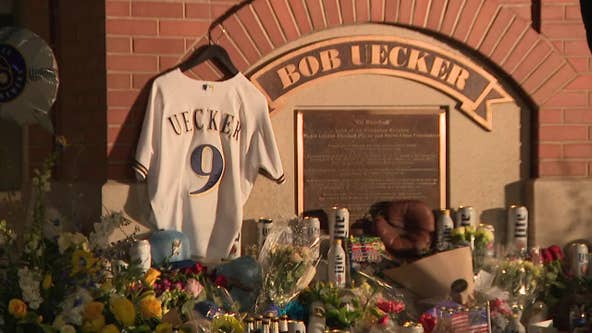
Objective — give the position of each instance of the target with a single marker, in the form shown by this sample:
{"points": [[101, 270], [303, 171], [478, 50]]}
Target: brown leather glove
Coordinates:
{"points": [[406, 227]]}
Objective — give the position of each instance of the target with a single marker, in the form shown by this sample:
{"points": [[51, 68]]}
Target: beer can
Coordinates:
{"points": [[250, 325], [444, 227], [517, 237], [316, 319], [490, 245], [466, 216], [338, 223], [579, 259], [140, 253], [296, 326], [313, 227], [337, 265], [263, 226]]}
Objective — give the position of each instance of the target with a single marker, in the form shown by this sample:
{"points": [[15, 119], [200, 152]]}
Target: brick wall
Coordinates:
{"points": [[144, 38], [551, 63], [565, 130]]}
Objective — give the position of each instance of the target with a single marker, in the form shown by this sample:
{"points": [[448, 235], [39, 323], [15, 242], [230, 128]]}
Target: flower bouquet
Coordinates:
{"points": [[479, 239], [521, 278], [57, 281], [366, 308], [287, 268]]}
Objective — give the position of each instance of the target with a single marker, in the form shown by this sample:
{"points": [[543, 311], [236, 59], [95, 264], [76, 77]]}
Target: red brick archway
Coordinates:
{"points": [[494, 31]]}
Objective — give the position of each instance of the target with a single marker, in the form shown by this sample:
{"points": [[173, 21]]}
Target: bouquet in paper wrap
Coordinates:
{"points": [[287, 263]]}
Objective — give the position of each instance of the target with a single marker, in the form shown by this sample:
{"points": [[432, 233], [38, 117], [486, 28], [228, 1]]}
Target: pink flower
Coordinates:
{"points": [[193, 287], [166, 284], [428, 321], [383, 321]]}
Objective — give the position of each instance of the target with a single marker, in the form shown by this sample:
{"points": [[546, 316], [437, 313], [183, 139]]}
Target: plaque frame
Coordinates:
{"points": [[440, 111]]}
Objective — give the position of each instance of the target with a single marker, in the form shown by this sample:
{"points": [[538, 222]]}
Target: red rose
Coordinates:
{"points": [[221, 281], [556, 252], [428, 322], [546, 256], [198, 268]]}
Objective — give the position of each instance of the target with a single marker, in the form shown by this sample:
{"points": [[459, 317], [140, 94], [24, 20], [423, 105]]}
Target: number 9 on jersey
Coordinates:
{"points": [[213, 171]]}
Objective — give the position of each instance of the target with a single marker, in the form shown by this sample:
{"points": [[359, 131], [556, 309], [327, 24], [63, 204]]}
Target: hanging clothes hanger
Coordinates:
{"points": [[213, 52]]}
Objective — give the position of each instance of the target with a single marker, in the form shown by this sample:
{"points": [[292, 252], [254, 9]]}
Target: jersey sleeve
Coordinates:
{"points": [[147, 144], [263, 155]]}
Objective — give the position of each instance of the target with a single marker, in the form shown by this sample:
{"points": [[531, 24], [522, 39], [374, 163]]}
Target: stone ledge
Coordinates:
{"points": [[560, 210]]}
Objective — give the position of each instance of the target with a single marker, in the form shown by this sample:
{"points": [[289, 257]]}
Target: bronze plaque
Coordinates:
{"points": [[355, 158]]}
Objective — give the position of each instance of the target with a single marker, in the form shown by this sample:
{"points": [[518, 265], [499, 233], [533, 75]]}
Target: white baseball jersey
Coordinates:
{"points": [[200, 150]]}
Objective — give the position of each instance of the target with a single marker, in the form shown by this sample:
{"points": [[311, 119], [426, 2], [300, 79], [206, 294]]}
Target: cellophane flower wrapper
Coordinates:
{"points": [[521, 278], [287, 264]]}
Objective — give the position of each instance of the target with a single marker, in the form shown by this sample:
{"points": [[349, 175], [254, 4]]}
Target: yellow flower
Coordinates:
{"points": [[93, 310], [47, 281], [111, 328], [151, 276], [83, 262], [107, 286], [150, 307], [94, 325], [67, 329], [123, 310], [458, 233], [164, 328], [17, 308], [226, 323]]}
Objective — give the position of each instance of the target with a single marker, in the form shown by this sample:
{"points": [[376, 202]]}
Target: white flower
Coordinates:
{"points": [[68, 239], [99, 238], [53, 226], [29, 281], [73, 306]]}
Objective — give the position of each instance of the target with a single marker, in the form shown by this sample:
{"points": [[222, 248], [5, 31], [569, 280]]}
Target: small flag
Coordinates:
{"points": [[473, 321]]}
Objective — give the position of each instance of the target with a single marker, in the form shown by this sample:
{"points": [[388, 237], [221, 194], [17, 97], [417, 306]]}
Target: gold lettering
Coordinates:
{"points": [[309, 66], [355, 54], [379, 54], [186, 121], [417, 61], [176, 128], [458, 76], [330, 59], [395, 53], [288, 75], [196, 122], [439, 68]]}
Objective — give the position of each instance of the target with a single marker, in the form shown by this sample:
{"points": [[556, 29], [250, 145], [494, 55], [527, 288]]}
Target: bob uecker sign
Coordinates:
{"points": [[456, 76]]}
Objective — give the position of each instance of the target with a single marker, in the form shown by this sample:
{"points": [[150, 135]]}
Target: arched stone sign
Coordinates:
{"points": [[475, 88]]}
